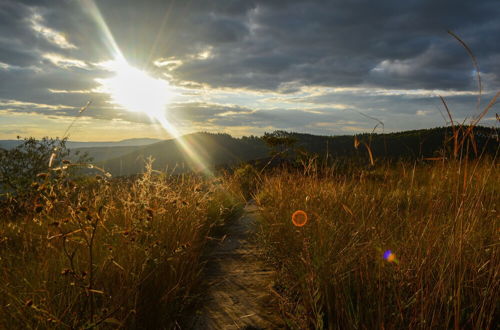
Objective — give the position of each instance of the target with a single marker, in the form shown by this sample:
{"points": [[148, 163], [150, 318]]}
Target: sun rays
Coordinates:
{"points": [[137, 91]]}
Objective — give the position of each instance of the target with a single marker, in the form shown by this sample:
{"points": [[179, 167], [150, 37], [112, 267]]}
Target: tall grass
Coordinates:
{"points": [[441, 221], [108, 253]]}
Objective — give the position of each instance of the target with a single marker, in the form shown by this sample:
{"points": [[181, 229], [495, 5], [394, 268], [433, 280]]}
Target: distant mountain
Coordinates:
{"points": [[212, 150], [9, 144], [122, 143], [192, 152], [99, 154]]}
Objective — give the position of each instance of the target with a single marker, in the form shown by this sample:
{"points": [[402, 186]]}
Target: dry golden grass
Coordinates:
{"points": [[441, 222], [108, 253]]}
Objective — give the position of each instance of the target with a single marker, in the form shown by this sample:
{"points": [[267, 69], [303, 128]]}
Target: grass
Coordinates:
{"points": [[108, 253], [128, 253], [439, 220]]}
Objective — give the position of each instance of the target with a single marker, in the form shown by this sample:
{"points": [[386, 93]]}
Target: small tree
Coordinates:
{"points": [[280, 142]]}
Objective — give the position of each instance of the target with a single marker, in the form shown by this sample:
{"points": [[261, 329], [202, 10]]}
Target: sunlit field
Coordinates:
{"points": [[107, 253], [397, 246], [393, 244]]}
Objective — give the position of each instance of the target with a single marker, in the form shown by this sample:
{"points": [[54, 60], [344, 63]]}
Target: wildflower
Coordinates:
{"points": [[299, 218]]}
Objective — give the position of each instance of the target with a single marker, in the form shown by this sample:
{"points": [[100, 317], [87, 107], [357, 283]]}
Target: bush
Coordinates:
{"points": [[20, 166], [248, 178]]}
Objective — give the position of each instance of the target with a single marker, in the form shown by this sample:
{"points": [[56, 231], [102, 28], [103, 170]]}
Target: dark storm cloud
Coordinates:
{"points": [[339, 43], [16, 35], [262, 44]]}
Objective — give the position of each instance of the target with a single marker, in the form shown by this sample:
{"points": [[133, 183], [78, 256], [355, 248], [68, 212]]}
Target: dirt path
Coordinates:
{"points": [[239, 282]]}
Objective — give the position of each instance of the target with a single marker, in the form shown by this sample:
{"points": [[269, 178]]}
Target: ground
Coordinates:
{"points": [[239, 282]]}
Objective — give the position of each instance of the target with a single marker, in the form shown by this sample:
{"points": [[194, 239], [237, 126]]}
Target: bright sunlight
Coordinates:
{"points": [[136, 90]]}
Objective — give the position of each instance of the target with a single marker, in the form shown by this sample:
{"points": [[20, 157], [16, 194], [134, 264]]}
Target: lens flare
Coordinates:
{"points": [[299, 218], [389, 256]]}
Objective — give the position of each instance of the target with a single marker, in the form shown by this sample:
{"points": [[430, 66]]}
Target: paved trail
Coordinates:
{"points": [[239, 282]]}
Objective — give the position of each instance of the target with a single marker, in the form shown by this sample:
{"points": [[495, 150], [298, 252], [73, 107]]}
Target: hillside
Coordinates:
{"points": [[412, 144], [211, 149], [225, 150], [99, 154]]}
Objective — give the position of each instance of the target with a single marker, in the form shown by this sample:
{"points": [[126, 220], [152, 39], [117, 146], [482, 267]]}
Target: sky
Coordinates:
{"points": [[241, 66]]}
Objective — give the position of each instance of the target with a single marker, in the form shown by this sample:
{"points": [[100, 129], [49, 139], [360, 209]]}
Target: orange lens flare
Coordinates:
{"points": [[299, 218]]}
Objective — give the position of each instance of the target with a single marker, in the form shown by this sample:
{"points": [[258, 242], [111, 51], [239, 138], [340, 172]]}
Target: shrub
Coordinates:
{"points": [[23, 165]]}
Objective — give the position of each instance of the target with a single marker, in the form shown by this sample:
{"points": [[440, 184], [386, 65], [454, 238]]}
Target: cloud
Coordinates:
{"points": [[288, 64], [423, 112], [344, 44], [51, 35], [64, 62]]}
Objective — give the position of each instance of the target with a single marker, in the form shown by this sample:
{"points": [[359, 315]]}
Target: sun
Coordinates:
{"points": [[136, 90]]}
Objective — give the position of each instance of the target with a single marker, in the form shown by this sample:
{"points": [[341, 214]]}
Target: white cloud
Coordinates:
{"points": [[11, 105], [72, 91], [398, 67], [167, 63], [423, 112], [374, 91], [55, 37], [4, 66], [64, 62]]}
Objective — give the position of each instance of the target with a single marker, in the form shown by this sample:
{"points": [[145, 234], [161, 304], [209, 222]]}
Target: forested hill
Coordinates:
{"points": [[225, 150], [189, 152], [408, 144]]}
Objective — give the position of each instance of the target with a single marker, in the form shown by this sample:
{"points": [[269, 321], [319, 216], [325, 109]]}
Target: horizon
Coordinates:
{"points": [[161, 69], [372, 131]]}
